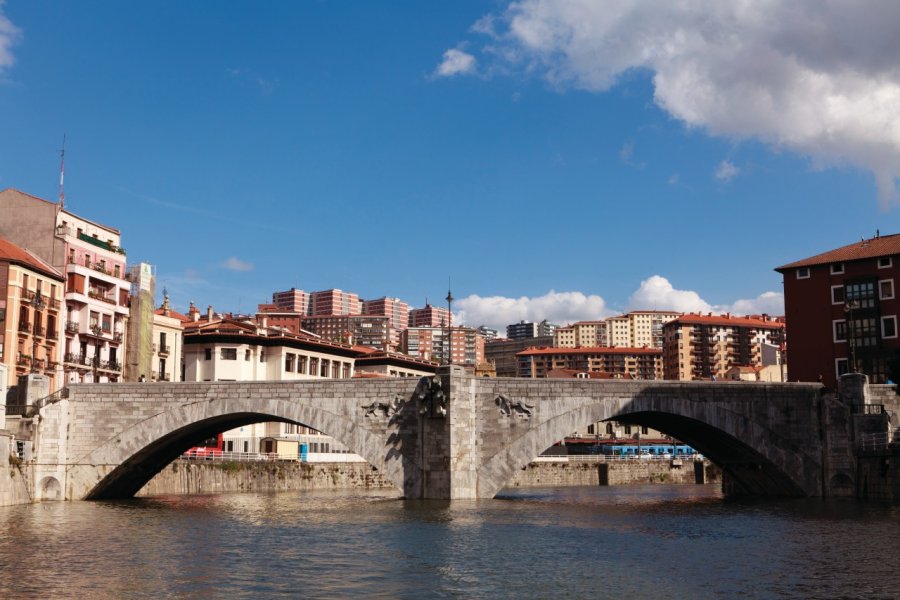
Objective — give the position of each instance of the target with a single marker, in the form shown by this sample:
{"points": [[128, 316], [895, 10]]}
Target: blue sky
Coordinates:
{"points": [[557, 160]]}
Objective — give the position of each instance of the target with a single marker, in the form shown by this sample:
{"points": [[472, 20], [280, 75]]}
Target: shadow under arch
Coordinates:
{"points": [[138, 455], [747, 470]]}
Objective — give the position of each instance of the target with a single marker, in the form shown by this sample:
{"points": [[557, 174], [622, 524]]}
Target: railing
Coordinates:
{"points": [[33, 409], [25, 327], [163, 350], [71, 327], [874, 441], [38, 331], [868, 409], [220, 456], [604, 458]]}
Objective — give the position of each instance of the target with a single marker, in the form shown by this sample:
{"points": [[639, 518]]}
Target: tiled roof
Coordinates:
{"points": [[15, 254], [885, 245], [172, 313], [588, 350], [726, 320]]}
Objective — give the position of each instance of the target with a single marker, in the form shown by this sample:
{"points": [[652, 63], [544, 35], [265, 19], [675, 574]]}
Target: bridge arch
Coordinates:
{"points": [[756, 457], [123, 463]]}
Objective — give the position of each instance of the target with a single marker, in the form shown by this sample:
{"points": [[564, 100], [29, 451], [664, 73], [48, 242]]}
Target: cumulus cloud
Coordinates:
{"points": [[236, 264], [726, 171], [9, 35], [818, 77], [657, 293], [456, 62], [557, 307]]}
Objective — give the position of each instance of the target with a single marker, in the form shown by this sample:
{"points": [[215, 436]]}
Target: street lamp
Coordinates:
{"points": [[849, 306], [37, 305], [449, 327]]}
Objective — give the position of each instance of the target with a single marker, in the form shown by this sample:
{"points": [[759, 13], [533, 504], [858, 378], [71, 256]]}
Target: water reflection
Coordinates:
{"points": [[642, 541]]}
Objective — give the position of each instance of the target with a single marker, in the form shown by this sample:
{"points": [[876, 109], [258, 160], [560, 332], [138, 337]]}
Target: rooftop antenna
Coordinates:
{"points": [[62, 172]]}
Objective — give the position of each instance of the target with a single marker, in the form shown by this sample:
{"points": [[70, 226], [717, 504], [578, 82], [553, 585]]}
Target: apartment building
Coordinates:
{"points": [[168, 343], [397, 312], [638, 329], [706, 346], [502, 353], [466, 345], [583, 333], [91, 257], [292, 300], [31, 293], [625, 363], [429, 316], [333, 302], [371, 331], [527, 329], [841, 308]]}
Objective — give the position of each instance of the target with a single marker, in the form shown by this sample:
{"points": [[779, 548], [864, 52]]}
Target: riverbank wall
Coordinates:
{"points": [[545, 473], [878, 475]]}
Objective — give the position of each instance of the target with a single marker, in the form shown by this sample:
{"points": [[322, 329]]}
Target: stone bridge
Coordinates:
{"points": [[453, 436]]}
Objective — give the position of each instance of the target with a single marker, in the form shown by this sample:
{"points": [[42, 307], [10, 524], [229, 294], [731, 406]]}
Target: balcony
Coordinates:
{"points": [[25, 327], [118, 336], [101, 297], [163, 350], [38, 331], [23, 360], [71, 327]]}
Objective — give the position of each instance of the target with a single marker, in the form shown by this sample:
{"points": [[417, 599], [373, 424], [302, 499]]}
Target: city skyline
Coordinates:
{"points": [[382, 150]]}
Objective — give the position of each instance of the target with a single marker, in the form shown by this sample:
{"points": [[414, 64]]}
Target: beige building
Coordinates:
{"points": [[581, 334], [626, 363], [638, 329], [707, 346], [168, 343]]}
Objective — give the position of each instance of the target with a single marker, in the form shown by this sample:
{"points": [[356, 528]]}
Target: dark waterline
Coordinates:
{"points": [[656, 541]]}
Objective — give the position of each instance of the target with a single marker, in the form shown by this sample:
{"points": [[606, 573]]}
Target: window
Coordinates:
{"points": [[885, 262], [860, 294], [886, 289], [301, 364], [590, 429], [889, 326], [289, 362], [841, 366], [228, 354], [609, 428], [247, 355], [840, 330], [207, 354], [837, 268], [628, 430], [803, 273], [837, 294]]}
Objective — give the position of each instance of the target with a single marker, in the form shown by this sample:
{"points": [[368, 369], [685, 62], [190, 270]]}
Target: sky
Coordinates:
{"points": [[545, 159]]}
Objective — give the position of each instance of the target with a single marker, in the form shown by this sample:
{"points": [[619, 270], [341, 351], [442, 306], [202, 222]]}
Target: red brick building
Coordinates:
{"points": [[841, 308], [625, 363], [429, 316]]}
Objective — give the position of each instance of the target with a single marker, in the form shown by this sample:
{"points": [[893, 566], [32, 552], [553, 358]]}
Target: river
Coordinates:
{"points": [[657, 541]]}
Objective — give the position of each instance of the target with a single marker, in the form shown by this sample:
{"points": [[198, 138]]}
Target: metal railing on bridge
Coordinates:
{"points": [[605, 458], [221, 456], [872, 442]]}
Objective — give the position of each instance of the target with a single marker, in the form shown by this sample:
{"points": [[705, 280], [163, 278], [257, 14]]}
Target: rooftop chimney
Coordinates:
{"points": [[193, 312], [209, 313]]}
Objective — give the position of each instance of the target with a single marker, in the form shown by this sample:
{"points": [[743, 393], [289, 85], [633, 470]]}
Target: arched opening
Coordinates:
{"points": [[746, 471], [133, 473], [50, 489]]}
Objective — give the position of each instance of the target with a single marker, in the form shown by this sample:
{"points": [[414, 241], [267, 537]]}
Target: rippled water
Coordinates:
{"points": [[636, 542]]}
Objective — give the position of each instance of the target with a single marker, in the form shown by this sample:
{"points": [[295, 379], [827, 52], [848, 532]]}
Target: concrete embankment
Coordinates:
{"points": [[191, 477], [552, 473], [878, 476], [188, 477]]}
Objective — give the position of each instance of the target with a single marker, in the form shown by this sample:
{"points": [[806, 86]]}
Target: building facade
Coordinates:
{"points": [[583, 333], [397, 312], [502, 353], [429, 316], [527, 329], [707, 346], [466, 345], [168, 343], [841, 309], [371, 331], [333, 302], [31, 310], [625, 363]]}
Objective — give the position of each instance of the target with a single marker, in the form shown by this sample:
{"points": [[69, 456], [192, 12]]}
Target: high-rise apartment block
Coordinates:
{"points": [[429, 316], [372, 331], [292, 300], [707, 346], [527, 329], [581, 334], [466, 345], [397, 312], [841, 309], [638, 329], [333, 302]]}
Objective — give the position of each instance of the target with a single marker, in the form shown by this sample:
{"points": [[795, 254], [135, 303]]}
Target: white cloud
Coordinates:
{"points": [[9, 35], [726, 171], [657, 293], [236, 264], [456, 62], [557, 307], [820, 78]]}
